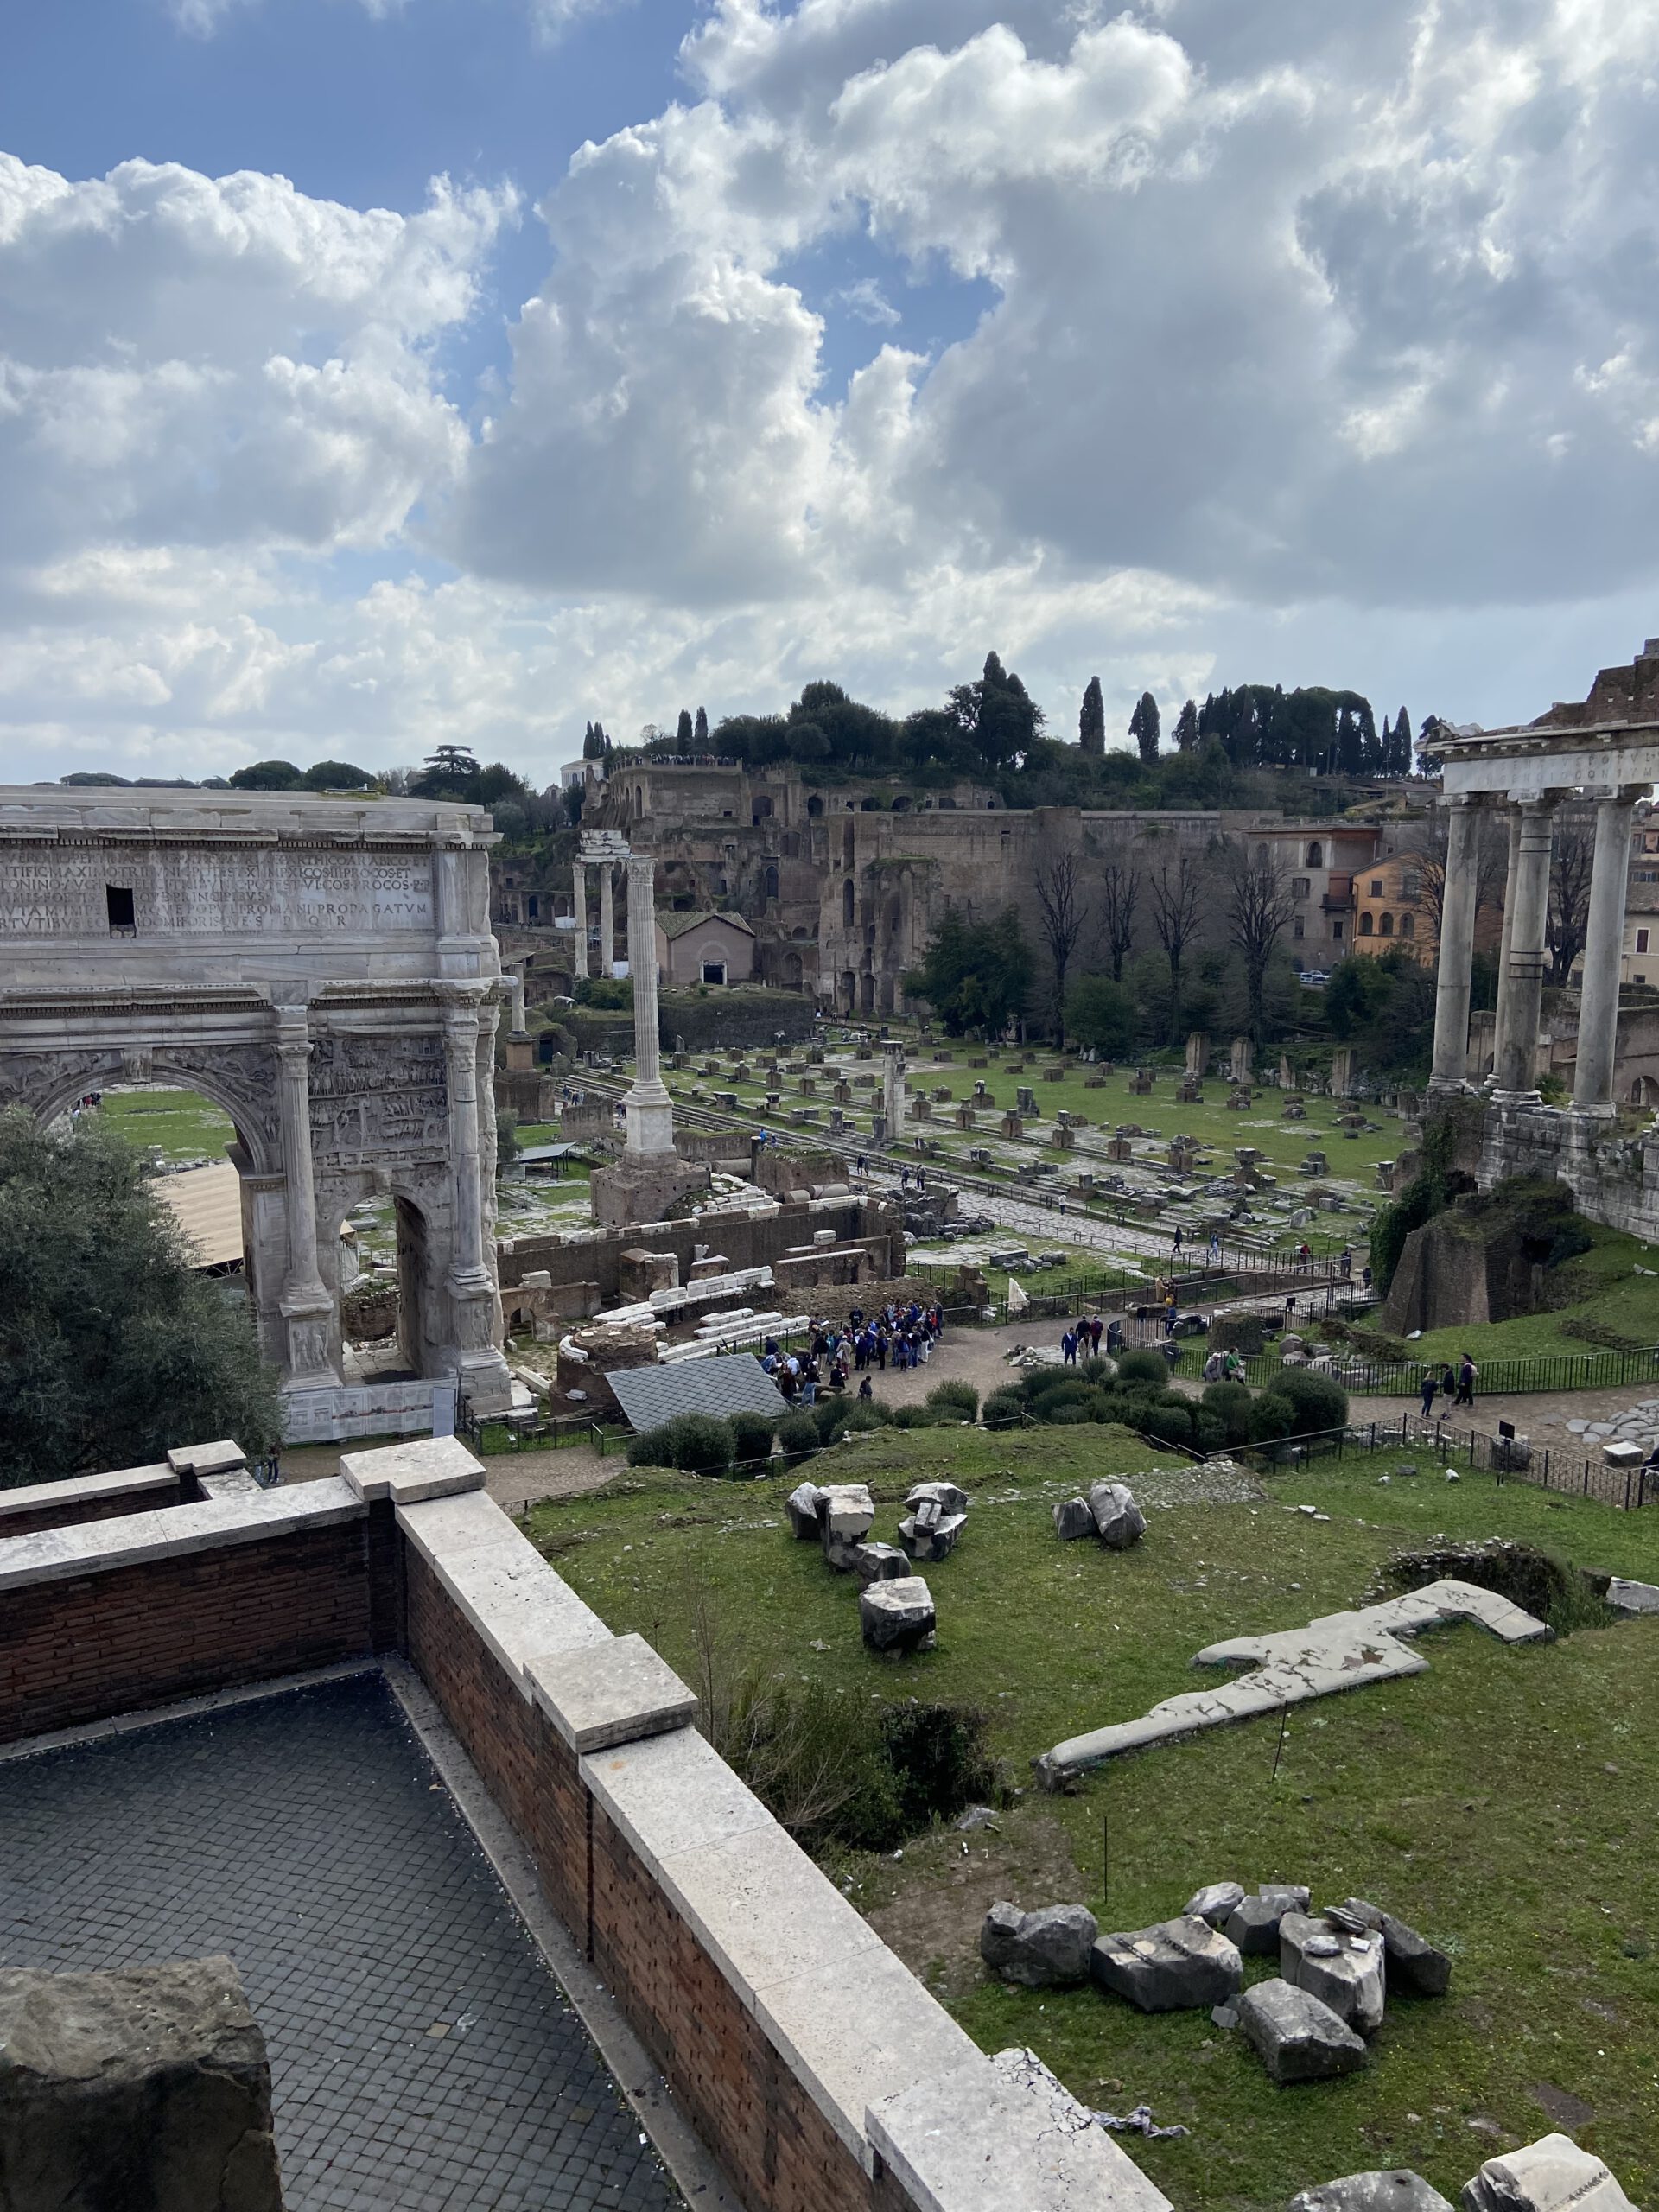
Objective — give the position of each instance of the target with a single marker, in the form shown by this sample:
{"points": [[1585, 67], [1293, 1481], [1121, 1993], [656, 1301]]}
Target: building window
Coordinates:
{"points": [[770, 886], [1407, 924], [533, 907], [1335, 933], [1298, 928], [1376, 886], [1641, 935], [1364, 925], [1301, 888], [1411, 887], [119, 901], [1315, 856], [1386, 927], [848, 896]]}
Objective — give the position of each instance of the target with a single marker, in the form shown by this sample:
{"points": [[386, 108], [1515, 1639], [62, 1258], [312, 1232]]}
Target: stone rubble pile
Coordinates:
{"points": [[1108, 1512], [895, 1608]]}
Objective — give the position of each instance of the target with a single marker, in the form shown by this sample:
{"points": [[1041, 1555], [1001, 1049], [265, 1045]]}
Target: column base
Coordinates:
{"points": [[1597, 1109], [483, 1383], [1451, 1087], [1507, 1101], [643, 1186]]}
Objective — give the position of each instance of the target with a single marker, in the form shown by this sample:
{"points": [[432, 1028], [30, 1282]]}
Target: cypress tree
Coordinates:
{"points": [[1092, 722]]}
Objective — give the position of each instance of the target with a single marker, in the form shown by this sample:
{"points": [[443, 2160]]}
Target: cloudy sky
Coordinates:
{"points": [[374, 373]]}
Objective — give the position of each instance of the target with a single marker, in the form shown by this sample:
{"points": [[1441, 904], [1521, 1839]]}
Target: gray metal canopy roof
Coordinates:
{"points": [[732, 1382]]}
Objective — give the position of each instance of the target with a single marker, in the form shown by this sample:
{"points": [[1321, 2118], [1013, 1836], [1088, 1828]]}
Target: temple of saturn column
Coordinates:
{"points": [[322, 970], [1605, 751], [649, 1177]]}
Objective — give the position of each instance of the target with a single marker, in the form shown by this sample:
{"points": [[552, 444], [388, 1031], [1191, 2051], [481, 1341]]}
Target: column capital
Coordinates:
{"points": [[1535, 803]]}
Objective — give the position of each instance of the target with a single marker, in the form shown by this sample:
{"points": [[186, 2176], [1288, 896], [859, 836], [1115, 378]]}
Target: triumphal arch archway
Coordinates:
{"points": [[323, 970]]}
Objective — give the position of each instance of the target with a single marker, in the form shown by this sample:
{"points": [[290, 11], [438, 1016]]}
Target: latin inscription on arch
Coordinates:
{"points": [[215, 892]]}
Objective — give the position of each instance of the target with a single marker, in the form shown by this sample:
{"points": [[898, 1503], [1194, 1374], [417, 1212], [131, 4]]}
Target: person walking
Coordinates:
{"points": [[1068, 1350], [1094, 1335], [1346, 1264], [1177, 1241], [1215, 1248], [1467, 1373], [1430, 1386]]}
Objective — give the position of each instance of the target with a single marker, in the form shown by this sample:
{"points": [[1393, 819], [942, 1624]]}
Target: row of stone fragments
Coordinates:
{"points": [[896, 1607], [1552, 2175], [1308, 2025]]}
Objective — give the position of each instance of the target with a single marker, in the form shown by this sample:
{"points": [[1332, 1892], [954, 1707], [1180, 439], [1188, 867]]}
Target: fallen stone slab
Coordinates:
{"points": [[1046, 1949], [1072, 1519], [1175, 1966], [1339, 1651], [1119, 1521], [1552, 2175], [804, 1506], [147, 2086], [845, 1517], [1254, 1922], [1344, 1970], [1393, 2189], [1297, 2038], [1215, 1902], [927, 1542], [1626, 1597], [898, 1616], [946, 1496], [1415, 1967], [880, 1563]]}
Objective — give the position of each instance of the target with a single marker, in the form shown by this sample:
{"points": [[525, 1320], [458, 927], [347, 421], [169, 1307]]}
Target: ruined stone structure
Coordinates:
{"points": [[323, 970], [1605, 751]]}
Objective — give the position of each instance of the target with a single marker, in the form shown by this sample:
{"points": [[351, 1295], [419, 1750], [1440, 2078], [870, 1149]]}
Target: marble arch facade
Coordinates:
{"points": [[322, 970]]}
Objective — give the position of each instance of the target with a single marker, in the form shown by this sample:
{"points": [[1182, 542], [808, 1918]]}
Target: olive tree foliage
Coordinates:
{"points": [[113, 1346]]}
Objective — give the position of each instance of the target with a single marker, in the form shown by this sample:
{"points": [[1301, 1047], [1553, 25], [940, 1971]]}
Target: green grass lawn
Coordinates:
{"points": [[1502, 1801], [1608, 1291], [181, 1124]]}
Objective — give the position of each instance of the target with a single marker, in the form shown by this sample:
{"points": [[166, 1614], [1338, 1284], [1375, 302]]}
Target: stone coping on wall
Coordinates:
{"points": [[253, 1516], [137, 1483]]}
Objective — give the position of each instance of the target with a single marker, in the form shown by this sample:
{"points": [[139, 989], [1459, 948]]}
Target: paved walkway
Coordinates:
{"points": [[423, 2058]]}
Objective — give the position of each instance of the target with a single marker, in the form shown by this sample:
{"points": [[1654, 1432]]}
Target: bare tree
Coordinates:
{"points": [[1569, 896], [1120, 895], [1176, 894], [1260, 906], [1061, 913], [1427, 844]]}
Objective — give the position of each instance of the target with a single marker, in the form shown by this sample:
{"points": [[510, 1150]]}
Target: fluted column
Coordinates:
{"points": [[1520, 992], [1604, 954], [307, 1309], [1457, 947], [607, 922], [579, 881], [467, 1268], [649, 1109], [1511, 866]]}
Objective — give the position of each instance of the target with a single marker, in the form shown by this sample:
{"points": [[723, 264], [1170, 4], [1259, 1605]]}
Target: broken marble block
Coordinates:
{"points": [[898, 1616], [946, 1496], [1345, 1970], [1215, 1902], [1253, 1924], [1552, 2175], [1119, 1521], [149, 2087], [878, 1563], [1415, 1967], [931, 1534], [1046, 1949], [1392, 2188], [1174, 1967], [1072, 1519], [1296, 2036], [845, 1518], [803, 1506]]}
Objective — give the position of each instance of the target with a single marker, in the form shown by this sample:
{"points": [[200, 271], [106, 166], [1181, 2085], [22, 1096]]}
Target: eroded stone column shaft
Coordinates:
{"points": [[1509, 868], [579, 883], [1521, 996], [607, 922], [1603, 951], [1457, 947]]}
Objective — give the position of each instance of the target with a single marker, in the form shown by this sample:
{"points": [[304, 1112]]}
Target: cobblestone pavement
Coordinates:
{"points": [[423, 2056]]}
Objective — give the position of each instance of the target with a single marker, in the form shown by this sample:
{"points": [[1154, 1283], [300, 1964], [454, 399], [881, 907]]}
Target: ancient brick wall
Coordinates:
{"points": [[73, 1509]]}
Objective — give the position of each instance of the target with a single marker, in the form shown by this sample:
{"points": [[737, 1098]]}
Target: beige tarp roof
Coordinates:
{"points": [[208, 1203]]}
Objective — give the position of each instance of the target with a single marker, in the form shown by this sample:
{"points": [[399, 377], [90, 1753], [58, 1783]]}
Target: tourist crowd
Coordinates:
{"points": [[901, 1337]]}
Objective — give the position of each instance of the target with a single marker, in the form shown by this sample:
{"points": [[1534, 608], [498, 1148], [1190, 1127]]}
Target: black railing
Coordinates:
{"points": [[1441, 1447], [1498, 1378]]}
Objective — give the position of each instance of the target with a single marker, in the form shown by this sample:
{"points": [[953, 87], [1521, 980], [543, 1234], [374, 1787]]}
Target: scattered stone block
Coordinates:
{"points": [[880, 1563], [1626, 1597], [1118, 1522], [898, 1616], [1552, 2175], [1254, 1922], [1215, 1903], [1345, 1970], [930, 1534], [1395, 2189], [149, 2086], [1046, 1949], [804, 1507], [845, 1518], [1296, 2038], [946, 1496], [1176, 1966], [1074, 1517], [1413, 1964]]}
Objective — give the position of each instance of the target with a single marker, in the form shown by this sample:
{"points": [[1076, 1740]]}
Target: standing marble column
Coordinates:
{"points": [[578, 882], [515, 983], [307, 1310], [1511, 866], [649, 1109], [607, 922], [481, 1371], [1457, 946], [892, 1090], [1521, 993], [1604, 954]]}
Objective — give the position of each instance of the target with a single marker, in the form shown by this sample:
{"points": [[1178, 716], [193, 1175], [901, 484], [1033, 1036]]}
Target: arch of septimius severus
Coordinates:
{"points": [[322, 970], [1605, 750]]}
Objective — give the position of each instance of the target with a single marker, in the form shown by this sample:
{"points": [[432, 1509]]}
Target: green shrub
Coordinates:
{"points": [[1228, 1403], [1171, 1423], [1065, 1415], [1272, 1417], [914, 1417], [696, 1443], [957, 1397], [1002, 1408], [866, 1413], [1143, 1367], [798, 1434], [938, 1753], [1320, 1403], [653, 1447], [751, 1435], [1210, 1432]]}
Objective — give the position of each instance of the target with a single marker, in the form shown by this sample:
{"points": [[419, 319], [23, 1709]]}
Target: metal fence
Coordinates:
{"points": [[1439, 1446], [1054, 1295], [1499, 1378]]}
